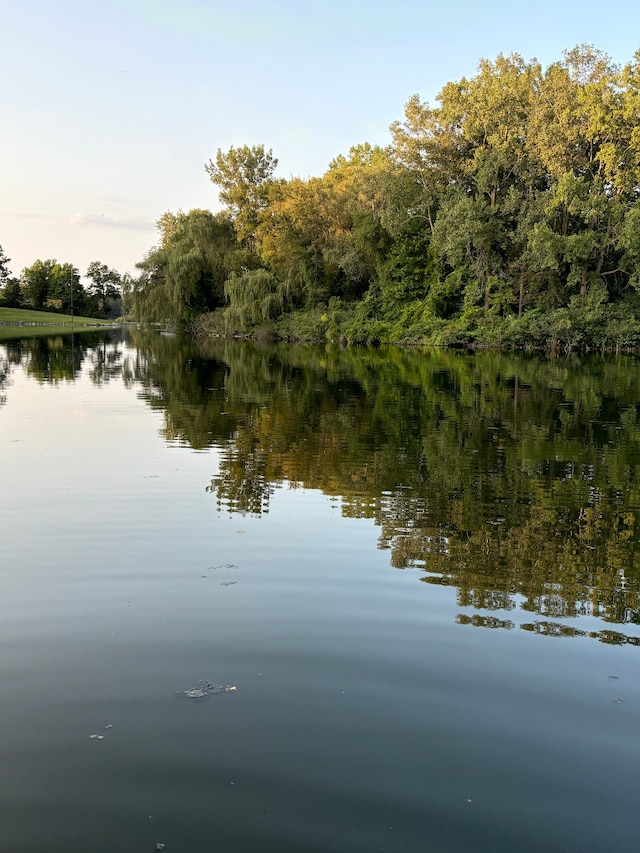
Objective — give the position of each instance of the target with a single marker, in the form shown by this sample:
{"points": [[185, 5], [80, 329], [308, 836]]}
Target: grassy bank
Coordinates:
{"points": [[17, 316]]}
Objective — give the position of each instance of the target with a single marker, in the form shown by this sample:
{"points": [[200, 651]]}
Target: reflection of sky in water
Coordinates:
{"points": [[425, 518], [369, 712]]}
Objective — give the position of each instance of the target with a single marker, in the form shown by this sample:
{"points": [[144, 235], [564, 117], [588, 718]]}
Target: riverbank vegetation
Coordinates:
{"points": [[506, 215], [49, 287]]}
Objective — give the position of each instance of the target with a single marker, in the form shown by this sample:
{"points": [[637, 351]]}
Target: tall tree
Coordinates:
{"points": [[105, 283], [243, 176], [324, 234], [5, 272], [11, 295], [37, 282], [426, 152], [53, 286], [580, 133]]}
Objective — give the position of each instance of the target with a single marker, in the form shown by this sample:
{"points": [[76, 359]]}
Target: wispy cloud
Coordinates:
{"points": [[91, 220], [95, 220]]}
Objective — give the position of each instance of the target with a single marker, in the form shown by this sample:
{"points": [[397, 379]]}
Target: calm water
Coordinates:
{"points": [[420, 571]]}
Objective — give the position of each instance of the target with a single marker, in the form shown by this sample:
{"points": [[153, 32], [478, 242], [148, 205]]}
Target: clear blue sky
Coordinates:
{"points": [[109, 110]]}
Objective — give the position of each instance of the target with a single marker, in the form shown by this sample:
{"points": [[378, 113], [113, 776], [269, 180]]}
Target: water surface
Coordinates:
{"points": [[420, 571]]}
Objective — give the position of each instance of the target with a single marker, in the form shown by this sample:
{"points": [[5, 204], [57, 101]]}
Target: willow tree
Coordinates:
{"points": [[185, 274], [254, 297]]}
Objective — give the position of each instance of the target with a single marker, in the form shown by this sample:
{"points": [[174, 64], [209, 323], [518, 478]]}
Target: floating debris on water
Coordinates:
{"points": [[160, 845], [96, 737], [109, 726], [204, 688], [228, 583]]}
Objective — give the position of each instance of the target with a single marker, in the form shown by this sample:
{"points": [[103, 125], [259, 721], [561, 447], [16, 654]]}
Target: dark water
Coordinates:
{"points": [[420, 571]]}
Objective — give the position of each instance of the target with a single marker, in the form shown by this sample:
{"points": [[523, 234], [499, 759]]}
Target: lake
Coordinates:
{"points": [[420, 572]]}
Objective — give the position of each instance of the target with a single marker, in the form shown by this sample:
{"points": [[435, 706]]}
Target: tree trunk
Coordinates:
{"points": [[583, 283], [520, 297]]}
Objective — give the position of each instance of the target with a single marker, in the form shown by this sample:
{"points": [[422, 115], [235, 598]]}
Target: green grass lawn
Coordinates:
{"points": [[23, 315]]}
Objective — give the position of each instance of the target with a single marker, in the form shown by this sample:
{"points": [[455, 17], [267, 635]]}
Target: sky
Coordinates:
{"points": [[109, 110]]}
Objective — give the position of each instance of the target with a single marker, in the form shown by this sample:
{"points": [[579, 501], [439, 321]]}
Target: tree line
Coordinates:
{"points": [[52, 286], [508, 213]]}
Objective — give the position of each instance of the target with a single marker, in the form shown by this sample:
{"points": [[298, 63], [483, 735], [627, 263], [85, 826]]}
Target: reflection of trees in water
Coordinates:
{"points": [[62, 357], [548, 629], [106, 361], [5, 372], [511, 478]]}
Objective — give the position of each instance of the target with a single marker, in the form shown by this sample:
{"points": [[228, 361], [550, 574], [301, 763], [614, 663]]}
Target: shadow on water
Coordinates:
{"points": [[512, 478]]}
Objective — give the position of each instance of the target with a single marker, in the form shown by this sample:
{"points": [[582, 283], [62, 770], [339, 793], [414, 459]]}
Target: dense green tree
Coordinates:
{"points": [[243, 176], [37, 281], [506, 213], [10, 292], [4, 268], [105, 284], [426, 154], [325, 235], [53, 286], [409, 270], [11, 296], [254, 297], [524, 175], [67, 291], [185, 275]]}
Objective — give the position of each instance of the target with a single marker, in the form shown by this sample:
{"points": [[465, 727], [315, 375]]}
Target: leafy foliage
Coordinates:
{"points": [[185, 275], [517, 194], [243, 176], [254, 298], [53, 286], [4, 268], [105, 284]]}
